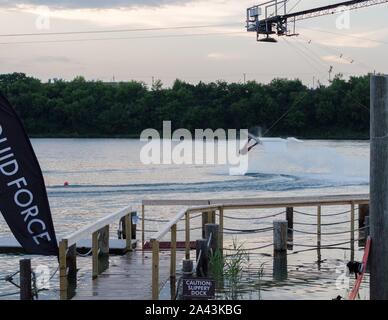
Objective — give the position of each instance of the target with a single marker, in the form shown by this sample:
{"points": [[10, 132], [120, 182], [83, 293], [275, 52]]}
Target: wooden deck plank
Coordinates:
{"points": [[128, 278]]}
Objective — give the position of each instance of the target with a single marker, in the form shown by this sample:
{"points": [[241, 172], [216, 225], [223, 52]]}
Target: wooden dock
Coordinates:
{"points": [[128, 278], [142, 274]]}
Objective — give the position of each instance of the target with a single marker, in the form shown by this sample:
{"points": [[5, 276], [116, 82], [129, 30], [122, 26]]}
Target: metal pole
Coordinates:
{"points": [[379, 188]]}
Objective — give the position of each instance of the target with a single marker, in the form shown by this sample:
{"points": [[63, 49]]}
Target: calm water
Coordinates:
{"points": [[106, 175]]}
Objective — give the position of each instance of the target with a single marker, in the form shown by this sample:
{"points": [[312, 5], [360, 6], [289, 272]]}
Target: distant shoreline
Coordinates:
{"points": [[137, 137]]}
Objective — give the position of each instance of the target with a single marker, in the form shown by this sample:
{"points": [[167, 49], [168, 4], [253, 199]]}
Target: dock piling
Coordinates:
{"points": [[211, 235], [207, 217], [280, 235], [25, 279], [290, 232], [202, 258], [379, 188]]}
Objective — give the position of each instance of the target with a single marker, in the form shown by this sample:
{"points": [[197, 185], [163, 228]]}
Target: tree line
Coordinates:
{"points": [[283, 107]]}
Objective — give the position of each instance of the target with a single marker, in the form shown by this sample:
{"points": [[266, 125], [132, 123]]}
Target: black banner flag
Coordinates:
{"points": [[23, 198]]}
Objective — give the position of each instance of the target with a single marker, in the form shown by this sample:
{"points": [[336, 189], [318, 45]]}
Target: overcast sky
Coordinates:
{"points": [[220, 52]]}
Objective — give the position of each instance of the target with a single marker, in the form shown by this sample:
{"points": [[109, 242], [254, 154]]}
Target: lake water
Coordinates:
{"points": [[105, 175]]}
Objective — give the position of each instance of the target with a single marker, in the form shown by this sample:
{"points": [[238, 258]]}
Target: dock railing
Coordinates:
{"points": [[246, 204], [99, 233]]}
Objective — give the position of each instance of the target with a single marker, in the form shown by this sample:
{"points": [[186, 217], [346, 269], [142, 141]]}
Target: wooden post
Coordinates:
{"points": [[155, 269], [142, 227], [133, 226], [72, 263], [173, 252], [103, 255], [280, 235], [290, 217], [128, 233], [379, 188], [352, 219], [319, 235], [95, 251], [280, 269], [221, 230], [211, 217], [25, 279], [63, 282], [319, 226], [363, 212], [211, 232], [187, 270], [187, 235], [187, 267], [207, 217], [290, 232], [203, 260]]}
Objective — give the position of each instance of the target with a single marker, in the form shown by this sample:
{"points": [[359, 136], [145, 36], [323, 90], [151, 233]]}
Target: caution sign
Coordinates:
{"points": [[199, 288]]}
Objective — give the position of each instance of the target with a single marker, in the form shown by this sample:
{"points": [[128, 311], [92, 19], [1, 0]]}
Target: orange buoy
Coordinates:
{"points": [[66, 184]]}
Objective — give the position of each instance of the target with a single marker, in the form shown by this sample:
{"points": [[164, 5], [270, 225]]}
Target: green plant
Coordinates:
{"points": [[260, 274], [234, 266], [217, 266]]}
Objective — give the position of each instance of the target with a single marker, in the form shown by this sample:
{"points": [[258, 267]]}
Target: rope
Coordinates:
{"points": [[323, 215], [325, 233], [155, 220], [84, 254], [182, 230], [234, 231], [322, 224], [196, 216], [251, 249], [323, 246], [313, 249], [253, 218], [8, 277], [55, 272], [35, 291], [165, 221], [8, 294], [210, 240]]}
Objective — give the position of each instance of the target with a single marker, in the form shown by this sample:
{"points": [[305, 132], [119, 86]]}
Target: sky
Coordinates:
{"points": [[222, 50]]}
